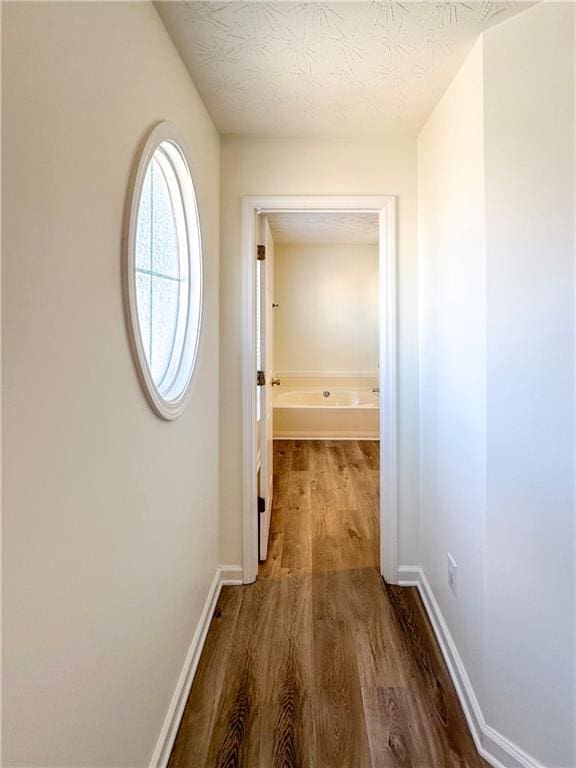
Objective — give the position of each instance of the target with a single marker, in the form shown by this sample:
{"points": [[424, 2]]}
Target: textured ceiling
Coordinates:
{"points": [[324, 228], [373, 69]]}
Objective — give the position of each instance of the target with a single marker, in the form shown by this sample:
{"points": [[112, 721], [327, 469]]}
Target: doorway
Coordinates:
{"points": [[257, 356]]}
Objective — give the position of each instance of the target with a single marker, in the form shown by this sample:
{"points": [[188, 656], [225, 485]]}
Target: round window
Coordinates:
{"points": [[164, 272]]}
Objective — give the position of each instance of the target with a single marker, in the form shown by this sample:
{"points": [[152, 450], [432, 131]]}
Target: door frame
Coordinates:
{"points": [[385, 206]]}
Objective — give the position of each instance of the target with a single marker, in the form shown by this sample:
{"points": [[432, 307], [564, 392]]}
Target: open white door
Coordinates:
{"points": [[265, 275]]}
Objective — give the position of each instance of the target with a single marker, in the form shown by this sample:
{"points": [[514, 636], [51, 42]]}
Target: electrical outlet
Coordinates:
{"points": [[452, 574]]}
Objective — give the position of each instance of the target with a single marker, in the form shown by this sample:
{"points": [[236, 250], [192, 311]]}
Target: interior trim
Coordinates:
{"points": [[385, 206], [495, 748], [225, 574], [188, 362]]}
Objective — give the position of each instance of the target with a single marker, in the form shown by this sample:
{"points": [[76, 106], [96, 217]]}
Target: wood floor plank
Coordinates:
{"points": [[371, 452], [377, 645], [319, 664], [275, 549], [342, 739], [395, 730], [300, 451], [193, 739], [297, 524], [235, 739], [287, 725], [432, 679]]}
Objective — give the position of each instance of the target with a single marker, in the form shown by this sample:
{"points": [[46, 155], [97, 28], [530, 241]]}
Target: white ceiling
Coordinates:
{"points": [[325, 69], [324, 228]]}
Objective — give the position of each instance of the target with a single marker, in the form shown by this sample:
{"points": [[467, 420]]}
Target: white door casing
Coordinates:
{"points": [[385, 206]]}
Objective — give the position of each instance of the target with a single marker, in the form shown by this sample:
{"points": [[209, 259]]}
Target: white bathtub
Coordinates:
{"points": [[323, 410], [332, 397]]}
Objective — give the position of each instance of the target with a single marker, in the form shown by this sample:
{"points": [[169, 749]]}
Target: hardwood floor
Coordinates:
{"points": [[319, 664]]}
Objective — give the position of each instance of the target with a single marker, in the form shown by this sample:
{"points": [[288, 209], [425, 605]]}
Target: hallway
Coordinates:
{"points": [[319, 663]]}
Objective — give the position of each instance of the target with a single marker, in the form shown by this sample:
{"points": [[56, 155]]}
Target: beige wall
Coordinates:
{"points": [[110, 515], [308, 167], [327, 320]]}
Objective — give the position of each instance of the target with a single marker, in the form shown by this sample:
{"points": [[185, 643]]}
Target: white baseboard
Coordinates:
{"points": [[325, 436], [495, 748], [225, 574], [408, 575], [231, 574]]}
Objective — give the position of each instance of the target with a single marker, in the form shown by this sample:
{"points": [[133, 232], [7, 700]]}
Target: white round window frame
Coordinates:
{"points": [[166, 408]]}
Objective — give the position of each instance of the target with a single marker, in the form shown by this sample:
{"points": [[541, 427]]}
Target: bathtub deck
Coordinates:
{"points": [[319, 664], [317, 422]]}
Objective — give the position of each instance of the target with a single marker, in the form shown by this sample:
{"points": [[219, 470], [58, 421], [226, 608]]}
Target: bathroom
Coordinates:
{"points": [[317, 343], [325, 325]]}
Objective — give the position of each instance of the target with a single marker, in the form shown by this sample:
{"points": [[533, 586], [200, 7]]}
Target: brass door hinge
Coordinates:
{"points": [[261, 252]]}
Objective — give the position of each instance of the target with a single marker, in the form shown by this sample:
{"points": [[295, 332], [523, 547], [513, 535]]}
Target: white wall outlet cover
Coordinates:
{"points": [[452, 574]]}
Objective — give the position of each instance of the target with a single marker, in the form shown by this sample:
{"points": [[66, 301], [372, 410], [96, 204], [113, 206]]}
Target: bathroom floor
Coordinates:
{"points": [[319, 663]]}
